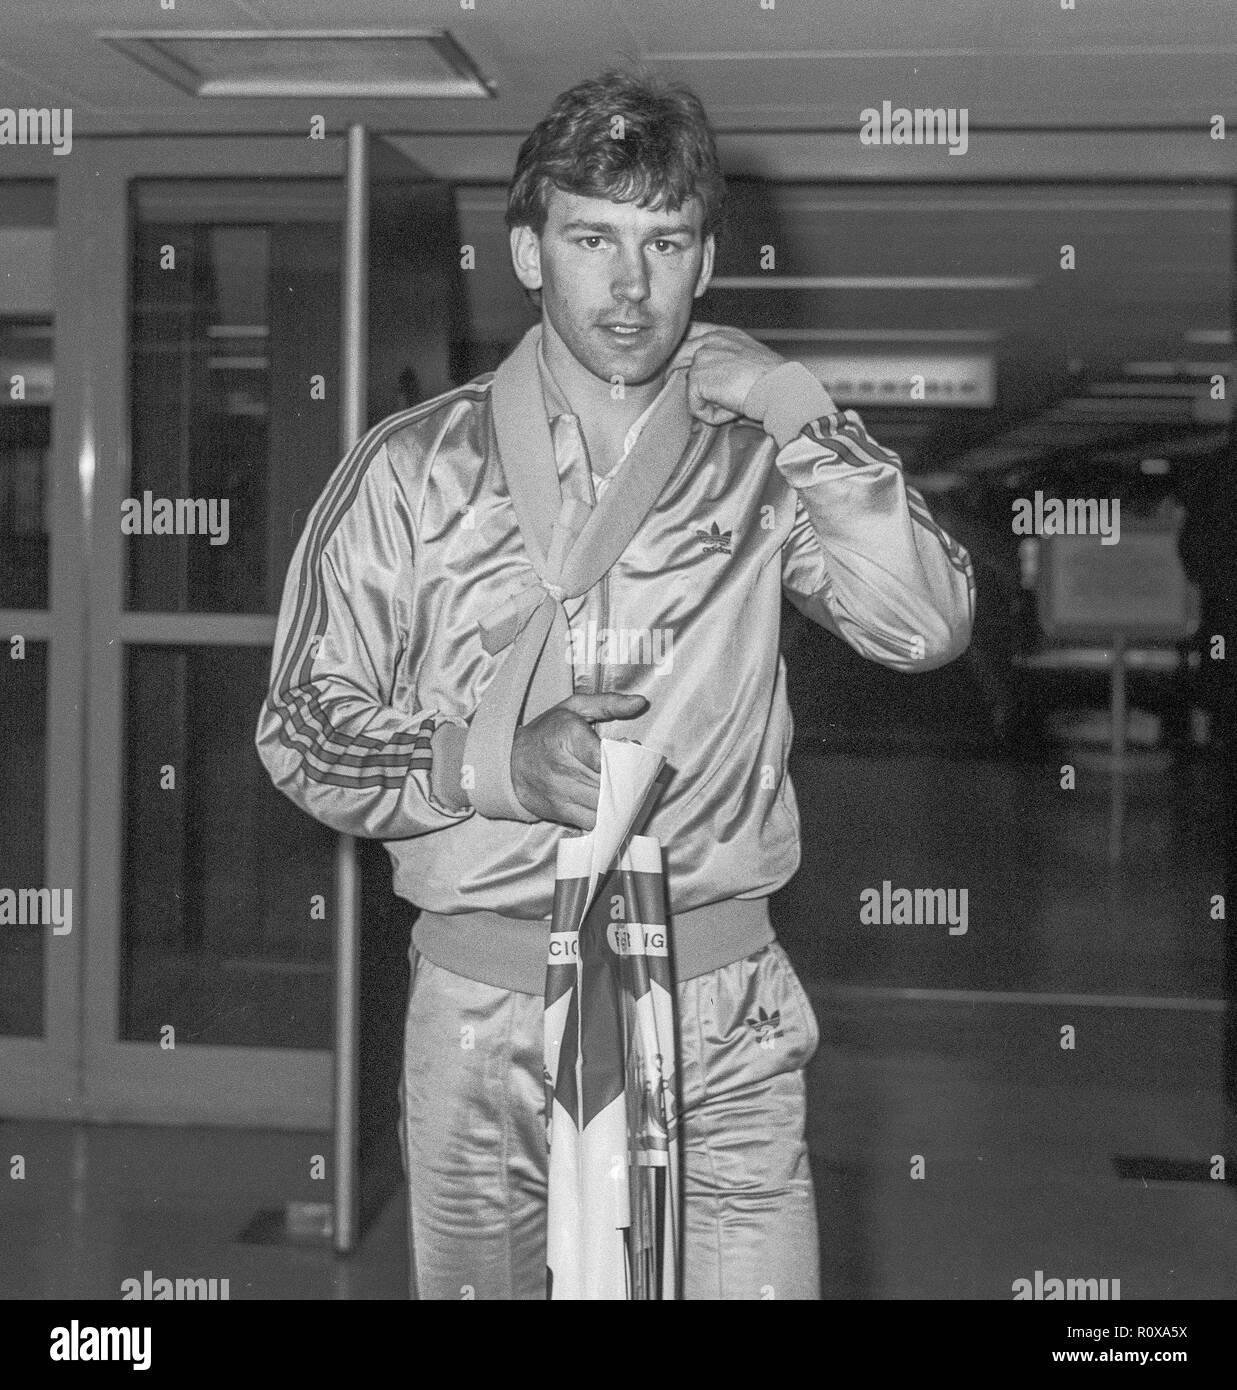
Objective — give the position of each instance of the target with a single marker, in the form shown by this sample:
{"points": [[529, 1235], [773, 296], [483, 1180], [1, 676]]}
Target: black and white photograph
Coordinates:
{"points": [[617, 647]]}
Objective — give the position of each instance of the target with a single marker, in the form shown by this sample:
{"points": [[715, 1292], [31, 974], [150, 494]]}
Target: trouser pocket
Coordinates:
{"points": [[747, 1032]]}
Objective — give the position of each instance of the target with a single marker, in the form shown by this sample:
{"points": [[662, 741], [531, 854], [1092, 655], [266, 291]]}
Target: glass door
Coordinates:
{"points": [[209, 980], [170, 349], [210, 965]]}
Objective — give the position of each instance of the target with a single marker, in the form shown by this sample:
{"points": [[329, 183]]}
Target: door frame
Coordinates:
{"points": [[41, 1075], [126, 1080]]}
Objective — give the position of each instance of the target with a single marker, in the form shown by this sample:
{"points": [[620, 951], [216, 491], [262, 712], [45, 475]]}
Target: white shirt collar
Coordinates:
{"points": [[629, 439]]}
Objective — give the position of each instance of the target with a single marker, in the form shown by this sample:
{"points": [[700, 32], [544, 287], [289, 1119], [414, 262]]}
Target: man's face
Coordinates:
{"points": [[601, 266]]}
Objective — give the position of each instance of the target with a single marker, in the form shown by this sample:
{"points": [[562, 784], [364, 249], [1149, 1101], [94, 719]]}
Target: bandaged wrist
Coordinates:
{"points": [[488, 752]]}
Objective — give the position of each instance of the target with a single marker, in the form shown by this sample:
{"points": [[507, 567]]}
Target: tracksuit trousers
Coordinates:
{"points": [[472, 1120]]}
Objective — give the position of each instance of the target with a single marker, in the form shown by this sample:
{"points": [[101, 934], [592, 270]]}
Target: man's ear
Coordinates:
{"points": [[706, 266], [526, 257]]}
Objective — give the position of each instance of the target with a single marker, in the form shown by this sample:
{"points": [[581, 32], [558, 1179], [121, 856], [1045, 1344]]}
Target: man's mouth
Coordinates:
{"points": [[626, 330]]}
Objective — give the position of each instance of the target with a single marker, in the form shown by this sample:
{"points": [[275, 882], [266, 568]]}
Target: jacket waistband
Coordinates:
{"points": [[511, 952]]}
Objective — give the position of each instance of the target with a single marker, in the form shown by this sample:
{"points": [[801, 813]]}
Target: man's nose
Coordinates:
{"points": [[631, 278]]}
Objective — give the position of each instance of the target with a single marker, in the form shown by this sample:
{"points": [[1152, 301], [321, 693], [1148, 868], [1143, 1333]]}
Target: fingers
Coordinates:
{"points": [[692, 341], [579, 789], [682, 360], [587, 748], [710, 417], [599, 708], [578, 755], [582, 815], [556, 762], [563, 790], [711, 414]]}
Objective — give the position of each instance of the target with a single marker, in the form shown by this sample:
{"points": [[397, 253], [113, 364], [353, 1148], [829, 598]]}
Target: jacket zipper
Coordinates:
{"points": [[599, 683]]}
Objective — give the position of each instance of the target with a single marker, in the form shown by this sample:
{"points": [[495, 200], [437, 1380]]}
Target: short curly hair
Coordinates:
{"points": [[661, 153]]}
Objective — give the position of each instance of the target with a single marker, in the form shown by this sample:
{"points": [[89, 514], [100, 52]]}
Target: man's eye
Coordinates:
{"points": [[584, 240], [664, 245]]}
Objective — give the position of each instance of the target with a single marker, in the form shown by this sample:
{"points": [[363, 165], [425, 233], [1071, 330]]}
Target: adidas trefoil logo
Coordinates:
{"points": [[715, 540], [767, 1026]]}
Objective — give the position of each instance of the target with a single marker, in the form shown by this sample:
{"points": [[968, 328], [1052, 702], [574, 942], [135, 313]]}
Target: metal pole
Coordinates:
{"points": [[1223, 738], [353, 371], [1117, 816]]}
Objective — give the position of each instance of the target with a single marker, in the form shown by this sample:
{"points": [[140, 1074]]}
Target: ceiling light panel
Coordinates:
{"points": [[307, 63]]}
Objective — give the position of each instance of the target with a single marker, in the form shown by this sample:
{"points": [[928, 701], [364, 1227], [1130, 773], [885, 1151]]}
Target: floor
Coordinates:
{"points": [[946, 1048]]}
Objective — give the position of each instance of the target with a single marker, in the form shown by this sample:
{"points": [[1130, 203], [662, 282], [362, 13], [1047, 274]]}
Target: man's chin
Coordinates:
{"points": [[632, 369]]}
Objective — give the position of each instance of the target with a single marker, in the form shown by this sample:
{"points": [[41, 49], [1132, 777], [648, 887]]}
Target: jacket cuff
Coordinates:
{"points": [[447, 766], [785, 399]]}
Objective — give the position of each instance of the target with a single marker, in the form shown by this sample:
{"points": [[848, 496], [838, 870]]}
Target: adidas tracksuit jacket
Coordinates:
{"points": [[378, 663]]}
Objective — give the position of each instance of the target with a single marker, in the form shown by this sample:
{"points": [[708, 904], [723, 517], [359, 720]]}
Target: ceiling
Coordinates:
{"points": [[801, 65]]}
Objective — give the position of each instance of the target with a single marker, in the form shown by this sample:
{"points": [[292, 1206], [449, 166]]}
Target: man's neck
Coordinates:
{"points": [[605, 421]]}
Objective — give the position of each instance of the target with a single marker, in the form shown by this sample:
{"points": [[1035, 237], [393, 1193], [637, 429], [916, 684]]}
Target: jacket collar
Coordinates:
{"points": [[526, 454]]}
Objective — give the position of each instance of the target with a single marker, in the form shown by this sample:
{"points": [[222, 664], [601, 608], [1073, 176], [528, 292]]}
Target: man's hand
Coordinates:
{"points": [[556, 758], [725, 363]]}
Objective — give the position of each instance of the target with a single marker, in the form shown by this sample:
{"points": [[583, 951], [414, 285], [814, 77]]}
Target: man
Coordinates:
{"points": [[411, 592]]}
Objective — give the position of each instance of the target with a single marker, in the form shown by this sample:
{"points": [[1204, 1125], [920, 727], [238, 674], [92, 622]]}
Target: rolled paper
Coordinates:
{"points": [[628, 772]]}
